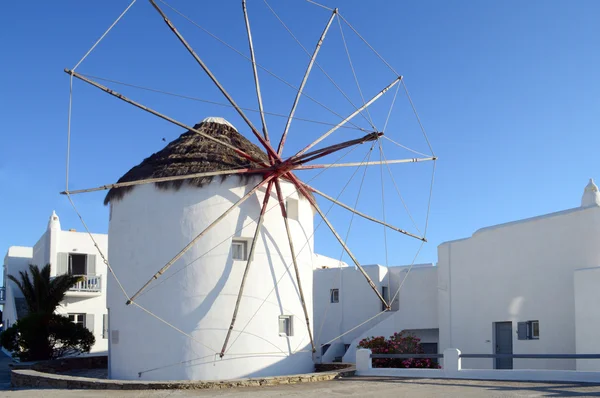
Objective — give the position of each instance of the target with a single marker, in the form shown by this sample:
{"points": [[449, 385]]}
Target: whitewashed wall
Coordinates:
{"points": [[415, 309], [515, 272], [17, 259], [587, 316], [53, 241], [357, 303], [148, 227], [88, 303]]}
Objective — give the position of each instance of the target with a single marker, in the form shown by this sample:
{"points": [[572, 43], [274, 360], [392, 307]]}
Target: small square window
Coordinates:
{"points": [[285, 325], [291, 208], [239, 249], [78, 319], [335, 295], [529, 330], [533, 329]]}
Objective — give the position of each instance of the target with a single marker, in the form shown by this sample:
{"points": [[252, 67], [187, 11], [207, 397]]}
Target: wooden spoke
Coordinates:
{"points": [[165, 179], [256, 82], [346, 120], [354, 164], [296, 269], [200, 235], [167, 118], [306, 74], [307, 195], [260, 138], [345, 206], [248, 263]]}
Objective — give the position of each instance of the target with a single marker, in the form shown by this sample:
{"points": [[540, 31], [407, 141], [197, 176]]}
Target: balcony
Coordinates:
{"points": [[88, 285], [2, 295]]}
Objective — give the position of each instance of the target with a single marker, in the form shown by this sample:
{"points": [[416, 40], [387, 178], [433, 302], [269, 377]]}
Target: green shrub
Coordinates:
{"points": [[40, 336]]}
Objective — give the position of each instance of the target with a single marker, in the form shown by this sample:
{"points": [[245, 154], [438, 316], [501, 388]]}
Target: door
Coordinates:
{"points": [[503, 334]]}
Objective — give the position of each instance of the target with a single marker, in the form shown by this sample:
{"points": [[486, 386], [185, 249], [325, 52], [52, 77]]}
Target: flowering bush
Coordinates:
{"points": [[399, 343]]}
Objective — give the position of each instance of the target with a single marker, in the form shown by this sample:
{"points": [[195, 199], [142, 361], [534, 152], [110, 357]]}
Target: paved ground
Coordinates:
{"points": [[4, 371], [352, 387]]}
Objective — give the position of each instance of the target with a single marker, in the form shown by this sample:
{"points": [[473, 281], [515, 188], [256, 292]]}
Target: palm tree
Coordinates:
{"points": [[42, 293]]}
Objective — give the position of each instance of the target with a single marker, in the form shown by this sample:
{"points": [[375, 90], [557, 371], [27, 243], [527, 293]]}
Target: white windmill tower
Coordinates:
{"points": [[211, 241]]}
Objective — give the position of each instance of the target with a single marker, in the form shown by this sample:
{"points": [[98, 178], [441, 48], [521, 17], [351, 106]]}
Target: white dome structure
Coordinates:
{"points": [[176, 328], [591, 196]]}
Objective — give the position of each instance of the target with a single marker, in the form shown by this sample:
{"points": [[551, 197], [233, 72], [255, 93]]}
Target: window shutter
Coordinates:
{"points": [[62, 263], [91, 264], [89, 322], [105, 326], [522, 330]]}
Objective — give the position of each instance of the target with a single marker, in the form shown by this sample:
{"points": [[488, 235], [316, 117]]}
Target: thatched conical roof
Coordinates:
{"points": [[191, 153]]}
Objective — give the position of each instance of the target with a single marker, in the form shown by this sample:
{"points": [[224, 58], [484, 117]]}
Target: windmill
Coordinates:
{"points": [[267, 176]]}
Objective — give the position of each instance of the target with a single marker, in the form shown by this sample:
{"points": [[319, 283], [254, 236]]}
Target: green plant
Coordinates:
{"points": [[399, 343], [42, 293], [40, 336]]}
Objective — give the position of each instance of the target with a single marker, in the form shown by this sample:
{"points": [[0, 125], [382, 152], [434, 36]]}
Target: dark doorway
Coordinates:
{"points": [[77, 264], [503, 339]]}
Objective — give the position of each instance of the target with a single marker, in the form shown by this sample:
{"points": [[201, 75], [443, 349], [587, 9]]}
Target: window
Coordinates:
{"points": [[105, 326], [78, 319], [77, 264], [239, 249], [529, 330], [335, 295], [534, 329], [291, 208], [384, 293], [285, 325]]}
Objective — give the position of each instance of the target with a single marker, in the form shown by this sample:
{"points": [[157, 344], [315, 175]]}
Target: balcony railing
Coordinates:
{"points": [[88, 283], [2, 294]]}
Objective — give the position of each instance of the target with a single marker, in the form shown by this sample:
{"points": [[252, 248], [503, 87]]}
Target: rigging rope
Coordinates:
{"points": [[316, 63], [404, 147], [104, 259], [69, 134], [241, 228], [354, 74], [300, 251], [257, 64], [365, 159], [398, 191], [215, 102], [102, 37], [320, 5]]}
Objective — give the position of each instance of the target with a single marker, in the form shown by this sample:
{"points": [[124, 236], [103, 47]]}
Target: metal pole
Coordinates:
{"points": [[296, 269], [343, 122], [306, 74], [201, 234], [256, 82], [248, 262], [160, 115], [260, 138], [303, 190], [322, 166]]}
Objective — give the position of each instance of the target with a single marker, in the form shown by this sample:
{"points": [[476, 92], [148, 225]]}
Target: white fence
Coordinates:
{"points": [[88, 283], [452, 369]]}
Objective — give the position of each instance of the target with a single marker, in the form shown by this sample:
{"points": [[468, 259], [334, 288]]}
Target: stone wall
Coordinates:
{"points": [[65, 364], [29, 378]]}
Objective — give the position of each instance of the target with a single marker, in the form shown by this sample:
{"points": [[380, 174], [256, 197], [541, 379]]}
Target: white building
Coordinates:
{"points": [[65, 251], [528, 287], [176, 329]]}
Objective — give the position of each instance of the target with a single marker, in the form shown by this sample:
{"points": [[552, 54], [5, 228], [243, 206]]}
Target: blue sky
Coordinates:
{"points": [[507, 91]]}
